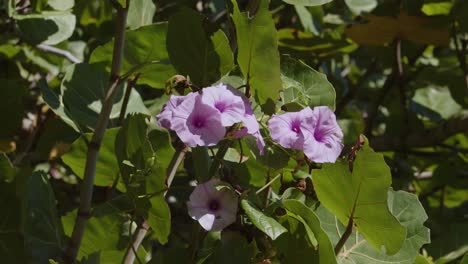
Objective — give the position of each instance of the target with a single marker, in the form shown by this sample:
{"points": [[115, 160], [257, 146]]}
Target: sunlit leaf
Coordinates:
{"points": [[409, 212], [258, 55], [362, 196]]}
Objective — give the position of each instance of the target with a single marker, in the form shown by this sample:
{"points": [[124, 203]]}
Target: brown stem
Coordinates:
{"points": [[94, 145]]}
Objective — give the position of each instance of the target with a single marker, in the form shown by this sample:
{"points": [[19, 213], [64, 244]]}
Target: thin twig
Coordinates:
{"points": [[138, 237], [268, 184], [64, 53], [128, 92], [140, 233], [94, 146]]}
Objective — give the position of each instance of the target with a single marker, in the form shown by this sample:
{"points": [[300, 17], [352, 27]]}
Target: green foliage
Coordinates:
{"points": [[263, 222], [360, 195], [304, 86], [46, 28], [144, 53], [393, 70], [257, 55], [409, 212], [107, 170], [189, 36]]}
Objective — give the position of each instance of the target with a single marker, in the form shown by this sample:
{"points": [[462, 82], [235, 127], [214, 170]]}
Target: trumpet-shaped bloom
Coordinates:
{"points": [[291, 130], [325, 145], [230, 106], [165, 117], [214, 209], [196, 123]]}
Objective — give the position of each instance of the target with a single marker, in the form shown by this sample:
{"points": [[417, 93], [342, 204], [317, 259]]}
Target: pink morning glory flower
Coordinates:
{"points": [[325, 145], [196, 123], [290, 130], [214, 209], [316, 132], [165, 117], [230, 106]]}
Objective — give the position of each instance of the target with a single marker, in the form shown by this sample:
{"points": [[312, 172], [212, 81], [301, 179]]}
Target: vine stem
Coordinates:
{"points": [[140, 233], [86, 194], [344, 237]]}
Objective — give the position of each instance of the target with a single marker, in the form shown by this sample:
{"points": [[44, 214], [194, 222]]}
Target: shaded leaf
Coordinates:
{"points": [[380, 30], [46, 28], [326, 254], [202, 55], [107, 169], [83, 90], [144, 53], [42, 227], [263, 222], [307, 2]]}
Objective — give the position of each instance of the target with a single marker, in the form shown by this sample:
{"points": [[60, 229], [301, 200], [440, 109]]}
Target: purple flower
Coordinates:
{"points": [[325, 145], [165, 117], [250, 123], [230, 106], [196, 123], [214, 209], [291, 130]]}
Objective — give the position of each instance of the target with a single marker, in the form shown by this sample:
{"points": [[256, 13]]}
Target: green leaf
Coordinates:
{"points": [[294, 247], [311, 18], [306, 45], [437, 99], [201, 163], [263, 222], [144, 53], [202, 55], [140, 13], [14, 106], [143, 171], [107, 169], [159, 218], [437, 8], [362, 195], [83, 90], [311, 221], [232, 248], [61, 4], [304, 86], [46, 28], [101, 233], [7, 170], [409, 212], [258, 55], [12, 244], [307, 2], [42, 227], [359, 6]]}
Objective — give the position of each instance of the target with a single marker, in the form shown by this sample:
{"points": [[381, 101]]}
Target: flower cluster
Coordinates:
{"points": [[316, 132], [201, 119], [214, 208]]}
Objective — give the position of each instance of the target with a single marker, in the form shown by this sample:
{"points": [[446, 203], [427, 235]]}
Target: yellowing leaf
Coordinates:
{"points": [[381, 30]]}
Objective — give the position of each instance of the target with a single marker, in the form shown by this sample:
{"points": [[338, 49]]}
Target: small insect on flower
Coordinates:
{"points": [[214, 208]]}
